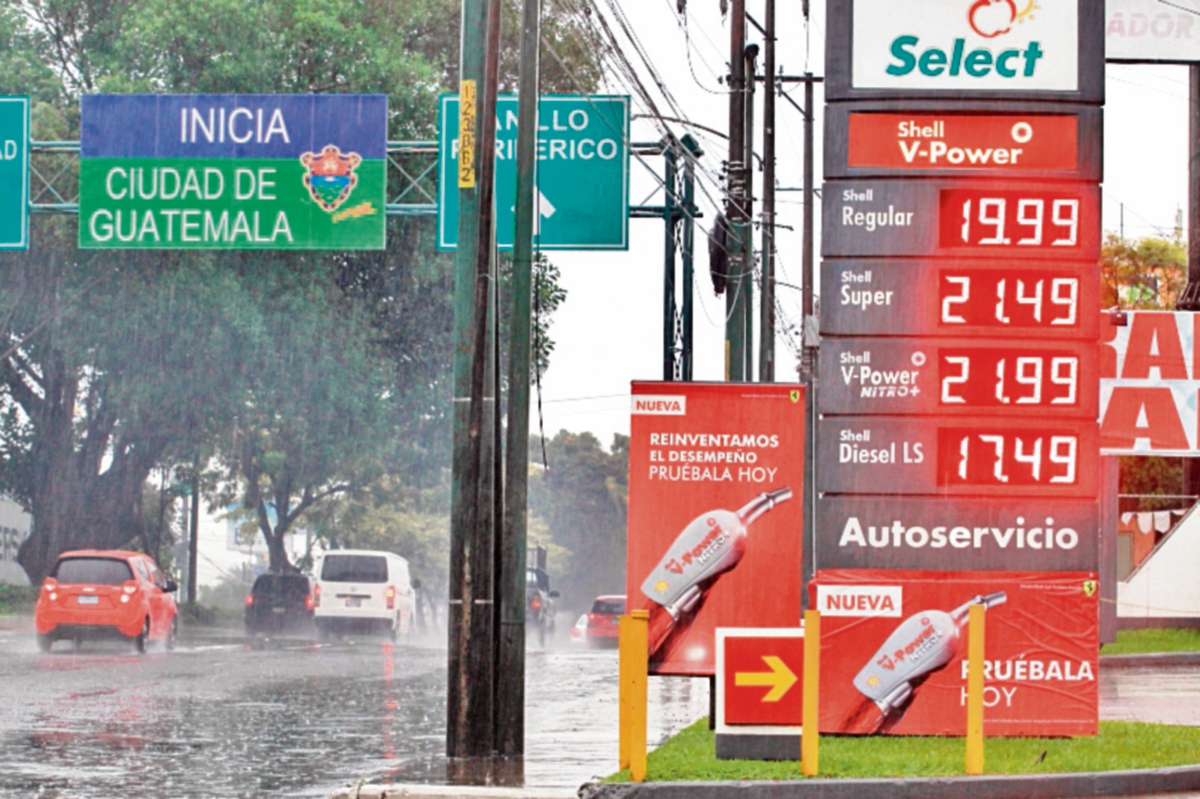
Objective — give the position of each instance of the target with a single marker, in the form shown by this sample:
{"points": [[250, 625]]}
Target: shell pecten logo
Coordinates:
{"points": [[991, 18]]}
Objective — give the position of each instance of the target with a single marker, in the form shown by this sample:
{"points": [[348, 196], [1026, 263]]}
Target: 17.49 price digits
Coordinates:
{"points": [[1003, 457]]}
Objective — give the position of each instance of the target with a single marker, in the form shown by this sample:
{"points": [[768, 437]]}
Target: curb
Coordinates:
{"points": [[1150, 660], [1096, 783], [395, 791]]}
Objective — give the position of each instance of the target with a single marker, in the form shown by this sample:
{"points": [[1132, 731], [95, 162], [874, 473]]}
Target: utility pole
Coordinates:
{"points": [[670, 219], [735, 207], [766, 314], [194, 535], [691, 151], [469, 701], [1189, 298], [510, 693], [808, 368], [747, 293]]}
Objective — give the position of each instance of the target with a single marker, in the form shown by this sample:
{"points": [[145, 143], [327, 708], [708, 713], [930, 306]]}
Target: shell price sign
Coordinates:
{"points": [[234, 172]]}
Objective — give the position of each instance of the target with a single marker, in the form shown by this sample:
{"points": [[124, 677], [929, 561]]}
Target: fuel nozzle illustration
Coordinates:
{"points": [[922, 644], [710, 545]]}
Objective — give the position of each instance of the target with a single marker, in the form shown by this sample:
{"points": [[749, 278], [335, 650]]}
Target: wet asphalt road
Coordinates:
{"points": [[219, 718]]}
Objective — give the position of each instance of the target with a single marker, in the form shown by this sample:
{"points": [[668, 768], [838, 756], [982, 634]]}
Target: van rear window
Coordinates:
{"points": [[95, 571], [354, 569]]}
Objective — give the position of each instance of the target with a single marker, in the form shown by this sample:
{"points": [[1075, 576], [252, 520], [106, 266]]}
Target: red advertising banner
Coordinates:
{"points": [[716, 472], [1149, 384], [996, 143], [894, 643]]}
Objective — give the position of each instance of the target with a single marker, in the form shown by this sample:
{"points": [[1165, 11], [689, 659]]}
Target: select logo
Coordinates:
{"points": [[860, 600], [1000, 45], [660, 404]]}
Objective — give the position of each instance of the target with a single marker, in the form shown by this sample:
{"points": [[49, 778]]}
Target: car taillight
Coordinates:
{"points": [[309, 603], [536, 602], [249, 600], [391, 597], [316, 595], [50, 584], [129, 587]]}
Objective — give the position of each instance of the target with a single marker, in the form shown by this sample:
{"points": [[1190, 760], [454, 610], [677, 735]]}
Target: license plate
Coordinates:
{"points": [[89, 600], [353, 602], [279, 610]]}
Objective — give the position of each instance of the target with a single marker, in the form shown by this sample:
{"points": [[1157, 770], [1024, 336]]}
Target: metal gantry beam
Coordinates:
{"points": [[54, 177]]}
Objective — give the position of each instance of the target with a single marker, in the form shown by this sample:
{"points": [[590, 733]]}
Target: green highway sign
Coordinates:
{"points": [[227, 171], [14, 173], [582, 172]]}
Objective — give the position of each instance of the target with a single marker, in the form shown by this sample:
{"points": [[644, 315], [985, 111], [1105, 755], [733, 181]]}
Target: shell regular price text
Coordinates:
{"points": [[1005, 299], [1005, 458], [1021, 220], [993, 378]]}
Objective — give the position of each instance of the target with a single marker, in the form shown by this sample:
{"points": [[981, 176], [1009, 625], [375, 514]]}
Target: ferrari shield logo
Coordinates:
{"points": [[794, 395], [330, 177], [1089, 587]]}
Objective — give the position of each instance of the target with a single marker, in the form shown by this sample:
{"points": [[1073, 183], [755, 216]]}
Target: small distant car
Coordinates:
{"points": [[106, 593], [363, 591], [602, 620], [579, 631], [278, 604]]}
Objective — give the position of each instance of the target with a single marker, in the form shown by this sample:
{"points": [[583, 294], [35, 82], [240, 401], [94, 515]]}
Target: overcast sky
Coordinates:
{"points": [[609, 331]]}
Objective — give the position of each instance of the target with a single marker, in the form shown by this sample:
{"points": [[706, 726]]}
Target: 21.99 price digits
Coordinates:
{"points": [[981, 378]]}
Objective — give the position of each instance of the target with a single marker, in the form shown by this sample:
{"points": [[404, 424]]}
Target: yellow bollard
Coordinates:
{"points": [[639, 658], [810, 735], [624, 659], [975, 634]]}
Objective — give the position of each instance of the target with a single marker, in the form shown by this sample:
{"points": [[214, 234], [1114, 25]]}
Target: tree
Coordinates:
{"points": [[112, 365], [582, 498], [1145, 274]]}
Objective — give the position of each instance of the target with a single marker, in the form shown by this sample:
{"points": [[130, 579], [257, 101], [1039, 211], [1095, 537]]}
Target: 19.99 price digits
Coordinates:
{"points": [[1035, 220]]}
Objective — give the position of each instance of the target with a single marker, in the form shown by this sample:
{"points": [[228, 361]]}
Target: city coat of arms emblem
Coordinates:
{"points": [[330, 177]]}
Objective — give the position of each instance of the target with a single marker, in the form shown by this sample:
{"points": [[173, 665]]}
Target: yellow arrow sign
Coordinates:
{"points": [[779, 679]]}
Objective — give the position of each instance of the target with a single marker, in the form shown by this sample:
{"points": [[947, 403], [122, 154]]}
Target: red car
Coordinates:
{"points": [[602, 621], [94, 593]]}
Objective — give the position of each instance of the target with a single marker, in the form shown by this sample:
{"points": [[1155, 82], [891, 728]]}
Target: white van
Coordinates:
{"points": [[362, 591]]}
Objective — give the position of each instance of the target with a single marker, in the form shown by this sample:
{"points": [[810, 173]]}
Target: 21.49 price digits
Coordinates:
{"points": [[1024, 220], [1006, 299], [1002, 457], [998, 378]]}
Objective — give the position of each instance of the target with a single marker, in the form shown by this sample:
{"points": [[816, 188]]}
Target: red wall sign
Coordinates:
{"points": [[762, 676], [716, 472], [995, 143], [893, 651], [1149, 384]]}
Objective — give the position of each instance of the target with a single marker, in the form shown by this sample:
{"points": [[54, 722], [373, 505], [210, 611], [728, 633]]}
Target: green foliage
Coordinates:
{"points": [[691, 755], [582, 498], [17, 600], [393, 517], [1141, 642], [1151, 474], [1145, 274]]}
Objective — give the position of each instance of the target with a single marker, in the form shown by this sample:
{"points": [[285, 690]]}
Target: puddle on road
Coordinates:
{"points": [[243, 722]]}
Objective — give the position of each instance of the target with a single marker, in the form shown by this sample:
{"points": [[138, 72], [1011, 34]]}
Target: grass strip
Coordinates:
{"points": [[1120, 745], [1145, 642], [17, 600]]}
